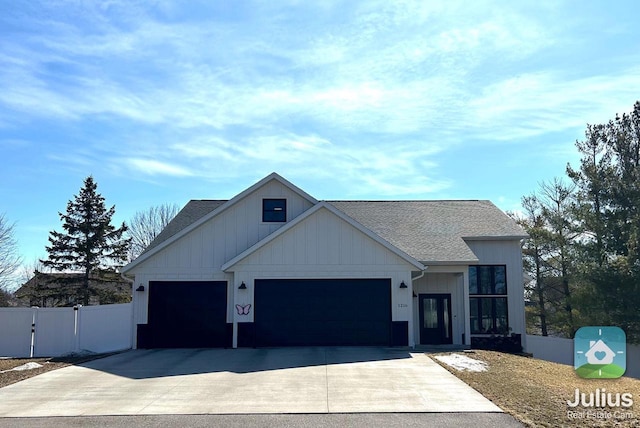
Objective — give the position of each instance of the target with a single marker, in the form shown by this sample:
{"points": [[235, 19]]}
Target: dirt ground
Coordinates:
{"points": [[8, 376]]}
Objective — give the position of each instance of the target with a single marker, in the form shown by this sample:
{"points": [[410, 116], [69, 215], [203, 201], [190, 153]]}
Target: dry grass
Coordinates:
{"points": [[536, 392], [48, 364]]}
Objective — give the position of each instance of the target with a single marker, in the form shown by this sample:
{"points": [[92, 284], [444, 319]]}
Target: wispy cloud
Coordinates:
{"points": [[358, 74], [348, 99], [156, 167], [538, 103], [377, 90], [401, 169]]}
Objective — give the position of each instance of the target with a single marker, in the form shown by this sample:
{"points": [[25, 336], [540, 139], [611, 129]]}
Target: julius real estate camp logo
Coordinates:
{"points": [[600, 352]]}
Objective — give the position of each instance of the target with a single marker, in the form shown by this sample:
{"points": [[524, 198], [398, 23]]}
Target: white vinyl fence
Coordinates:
{"points": [[560, 350], [51, 332]]}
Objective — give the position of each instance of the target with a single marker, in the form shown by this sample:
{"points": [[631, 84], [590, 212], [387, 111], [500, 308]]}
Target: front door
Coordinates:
{"points": [[435, 319]]}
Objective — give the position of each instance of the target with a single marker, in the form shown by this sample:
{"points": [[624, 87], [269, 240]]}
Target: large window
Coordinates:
{"points": [[274, 210], [488, 299]]}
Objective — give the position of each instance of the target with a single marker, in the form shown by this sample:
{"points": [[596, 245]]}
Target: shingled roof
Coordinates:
{"points": [[433, 231], [429, 231]]}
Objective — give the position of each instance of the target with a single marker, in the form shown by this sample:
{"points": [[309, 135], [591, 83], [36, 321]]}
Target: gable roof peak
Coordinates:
{"points": [[271, 177], [171, 235]]}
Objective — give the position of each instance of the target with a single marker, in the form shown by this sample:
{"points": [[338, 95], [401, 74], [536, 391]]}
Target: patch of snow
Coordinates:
{"points": [[27, 366], [463, 363]]}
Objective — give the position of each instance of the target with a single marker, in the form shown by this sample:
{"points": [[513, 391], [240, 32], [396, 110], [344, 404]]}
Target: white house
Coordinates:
{"points": [[599, 353], [275, 267]]}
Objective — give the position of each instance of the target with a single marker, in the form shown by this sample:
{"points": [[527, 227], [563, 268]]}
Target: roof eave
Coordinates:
{"points": [[450, 262], [495, 238]]}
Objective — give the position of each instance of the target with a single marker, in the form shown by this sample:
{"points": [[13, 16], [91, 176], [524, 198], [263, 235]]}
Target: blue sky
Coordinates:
{"points": [[166, 101]]}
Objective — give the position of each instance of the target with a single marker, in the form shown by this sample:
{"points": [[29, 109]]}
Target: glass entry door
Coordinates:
{"points": [[435, 319]]}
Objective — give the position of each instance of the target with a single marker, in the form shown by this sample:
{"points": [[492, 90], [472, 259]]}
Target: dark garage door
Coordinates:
{"points": [[186, 315], [322, 312]]}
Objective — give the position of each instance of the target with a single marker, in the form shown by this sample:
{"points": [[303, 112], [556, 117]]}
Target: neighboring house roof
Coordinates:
{"points": [[58, 286], [433, 231]]}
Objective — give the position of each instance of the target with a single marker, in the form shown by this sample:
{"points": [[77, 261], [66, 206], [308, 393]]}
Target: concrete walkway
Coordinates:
{"points": [[245, 381]]}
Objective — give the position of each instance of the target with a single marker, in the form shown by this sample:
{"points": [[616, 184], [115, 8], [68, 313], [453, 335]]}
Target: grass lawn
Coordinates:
{"points": [[536, 392]]}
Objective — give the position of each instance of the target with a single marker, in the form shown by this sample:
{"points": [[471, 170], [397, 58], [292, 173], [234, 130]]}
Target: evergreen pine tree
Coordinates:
{"points": [[608, 197], [548, 258], [89, 242]]}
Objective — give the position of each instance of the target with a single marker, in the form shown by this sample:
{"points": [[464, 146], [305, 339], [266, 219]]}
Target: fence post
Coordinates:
{"points": [[76, 327], [33, 331]]}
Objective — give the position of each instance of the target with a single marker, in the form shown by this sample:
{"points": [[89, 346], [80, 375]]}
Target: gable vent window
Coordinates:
{"points": [[274, 210]]}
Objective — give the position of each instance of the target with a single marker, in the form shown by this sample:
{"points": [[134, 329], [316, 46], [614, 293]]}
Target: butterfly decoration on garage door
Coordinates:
{"points": [[243, 309]]}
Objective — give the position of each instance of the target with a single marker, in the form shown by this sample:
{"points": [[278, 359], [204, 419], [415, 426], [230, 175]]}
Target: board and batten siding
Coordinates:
{"points": [[226, 235], [509, 253], [324, 245], [198, 255]]}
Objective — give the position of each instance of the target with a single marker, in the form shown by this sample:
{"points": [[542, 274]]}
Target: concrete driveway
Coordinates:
{"points": [[245, 381]]}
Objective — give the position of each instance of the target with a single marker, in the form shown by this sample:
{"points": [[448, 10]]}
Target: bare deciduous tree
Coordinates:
{"points": [[146, 225], [9, 257], [29, 269]]}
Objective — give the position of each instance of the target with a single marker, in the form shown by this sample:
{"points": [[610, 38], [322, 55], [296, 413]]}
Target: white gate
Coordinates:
{"points": [[51, 332]]}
